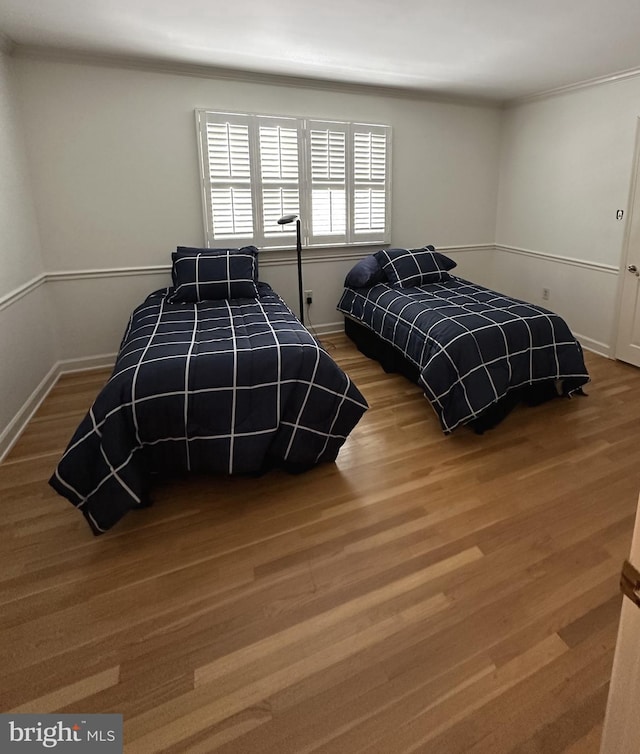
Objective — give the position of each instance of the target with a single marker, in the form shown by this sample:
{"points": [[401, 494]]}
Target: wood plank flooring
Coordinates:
{"points": [[424, 593]]}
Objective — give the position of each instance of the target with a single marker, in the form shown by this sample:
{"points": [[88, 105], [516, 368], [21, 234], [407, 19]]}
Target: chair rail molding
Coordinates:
{"points": [[276, 257], [610, 269], [22, 290]]}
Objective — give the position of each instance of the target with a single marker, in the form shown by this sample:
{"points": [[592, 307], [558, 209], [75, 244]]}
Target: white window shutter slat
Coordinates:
{"points": [[329, 212], [228, 147], [232, 212], [369, 210], [279, 154], [277, 202], [328, 155], [369, 157]]}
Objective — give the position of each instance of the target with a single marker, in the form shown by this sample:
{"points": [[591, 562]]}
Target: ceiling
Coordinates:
{"points": [[493, 49]]}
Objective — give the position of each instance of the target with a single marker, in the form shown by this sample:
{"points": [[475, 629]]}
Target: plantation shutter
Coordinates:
{"points": [[256, 168], [225, 150], [280, 169], [370, 183], [327, 161]]}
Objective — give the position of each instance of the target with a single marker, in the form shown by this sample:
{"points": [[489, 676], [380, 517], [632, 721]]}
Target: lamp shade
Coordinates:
{"points": [[286, 219]]}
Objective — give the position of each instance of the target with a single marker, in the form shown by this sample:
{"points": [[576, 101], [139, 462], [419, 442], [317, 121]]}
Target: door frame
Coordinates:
{"points": [[634, 194], [621, 728]]}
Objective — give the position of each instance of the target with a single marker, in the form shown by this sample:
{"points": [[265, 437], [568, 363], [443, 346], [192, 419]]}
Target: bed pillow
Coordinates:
{"points": [[182, 250], [365, 273], [187, 250], [406, 268], [213, 274]]}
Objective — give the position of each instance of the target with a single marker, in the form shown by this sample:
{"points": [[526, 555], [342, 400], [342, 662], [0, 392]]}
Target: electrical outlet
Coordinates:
{"points": [[545, 294], [308, 297]]}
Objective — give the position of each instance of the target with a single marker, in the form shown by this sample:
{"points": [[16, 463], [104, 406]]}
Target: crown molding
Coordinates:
{"points": [[180, 68], [578, 86], [175, 67]]}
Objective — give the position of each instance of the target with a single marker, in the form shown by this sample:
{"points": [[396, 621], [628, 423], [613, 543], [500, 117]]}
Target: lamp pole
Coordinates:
{"points": [[285, 220]]}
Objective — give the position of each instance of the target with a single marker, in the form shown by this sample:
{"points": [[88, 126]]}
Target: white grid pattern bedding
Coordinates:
{"points": [[471, 345], [231, 386]]}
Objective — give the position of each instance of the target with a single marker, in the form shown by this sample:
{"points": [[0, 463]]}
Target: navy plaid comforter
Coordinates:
{"points": [[220, 386], [471, 345]]}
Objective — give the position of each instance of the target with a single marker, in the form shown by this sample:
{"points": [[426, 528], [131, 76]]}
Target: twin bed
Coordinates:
{"points": [[215, 373], [475, 352]]}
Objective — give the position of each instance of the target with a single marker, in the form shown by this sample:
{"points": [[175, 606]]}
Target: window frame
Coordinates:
{"points": [[284, 237]]}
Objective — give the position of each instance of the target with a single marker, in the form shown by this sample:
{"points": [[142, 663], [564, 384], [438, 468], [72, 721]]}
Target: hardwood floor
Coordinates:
{"points": [[424, 593]]}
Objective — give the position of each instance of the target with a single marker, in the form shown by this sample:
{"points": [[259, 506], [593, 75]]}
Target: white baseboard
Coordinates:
{"points": [[329, 328], [11, 434], [595, 346], [86, 363]]}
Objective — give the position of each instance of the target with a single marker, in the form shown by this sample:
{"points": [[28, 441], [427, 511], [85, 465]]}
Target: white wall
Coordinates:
{"points": [[565, 169], [27, 337], [114, 157], [114, 187], [21, 260]]}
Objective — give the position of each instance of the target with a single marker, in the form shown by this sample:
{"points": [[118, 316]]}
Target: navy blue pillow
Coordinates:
{"points": [[364, 274], [187, 250], [210, 275], [407, 268]]}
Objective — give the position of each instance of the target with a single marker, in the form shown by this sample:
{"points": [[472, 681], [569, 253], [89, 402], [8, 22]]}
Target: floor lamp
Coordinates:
{"points": [[285, 220]]}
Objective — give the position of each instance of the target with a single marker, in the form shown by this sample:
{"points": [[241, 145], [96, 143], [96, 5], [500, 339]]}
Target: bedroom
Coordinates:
{"points": [[100, 172]]}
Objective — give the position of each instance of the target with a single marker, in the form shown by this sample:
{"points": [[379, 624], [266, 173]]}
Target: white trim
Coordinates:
{"points": [[50, 277], [328, 328], [633, 201], [610, 269], [595, 346], [21, 291], [112, 272], [577, 86], [87, 363], [160, 65], [268, 258], [467, 247], [12, 432], [16, 426]]}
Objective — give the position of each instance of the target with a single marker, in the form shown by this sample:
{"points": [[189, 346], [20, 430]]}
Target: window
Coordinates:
{"points": [[256, 168]]}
